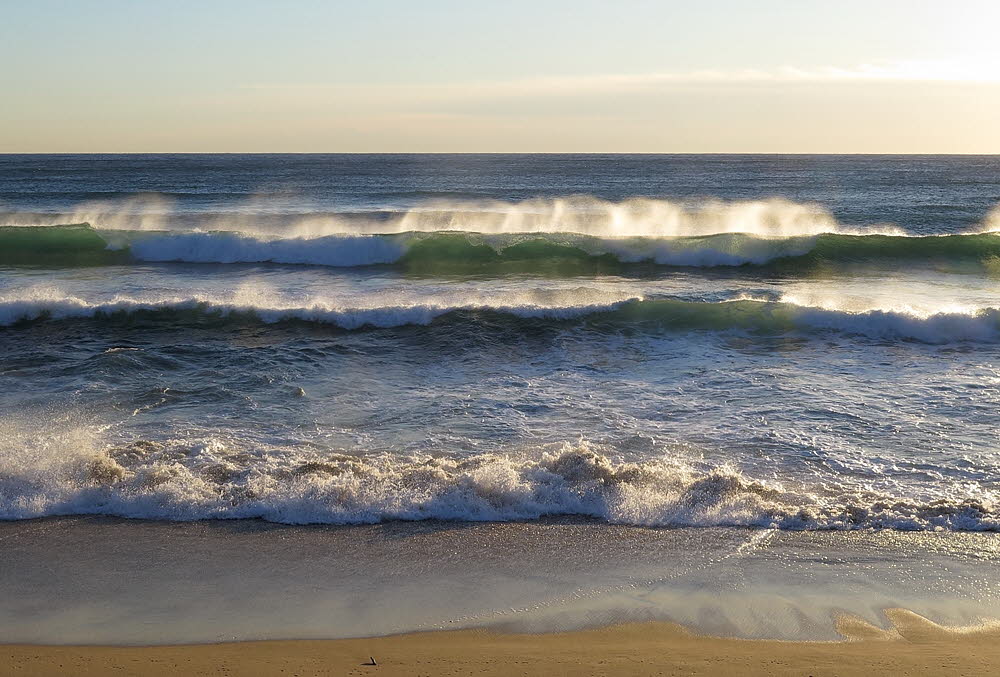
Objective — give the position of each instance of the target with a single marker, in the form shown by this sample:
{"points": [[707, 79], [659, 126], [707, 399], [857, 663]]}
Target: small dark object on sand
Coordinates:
{"points": [[371, 661]]}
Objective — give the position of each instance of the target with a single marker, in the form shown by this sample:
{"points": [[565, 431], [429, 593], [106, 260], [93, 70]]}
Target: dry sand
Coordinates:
{"points": [[914, 646]]}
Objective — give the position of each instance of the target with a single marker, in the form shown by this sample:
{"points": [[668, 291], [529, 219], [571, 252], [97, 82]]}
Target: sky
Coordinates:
{"points": [[726, 76]]}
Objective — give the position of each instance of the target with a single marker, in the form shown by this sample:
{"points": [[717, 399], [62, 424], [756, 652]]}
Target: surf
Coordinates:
{"points": [[603, 312], [192, 479], [83, 245]]}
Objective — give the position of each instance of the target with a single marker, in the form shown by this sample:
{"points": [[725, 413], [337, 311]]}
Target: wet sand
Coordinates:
{"points": [[103, 581], [911, 646]]}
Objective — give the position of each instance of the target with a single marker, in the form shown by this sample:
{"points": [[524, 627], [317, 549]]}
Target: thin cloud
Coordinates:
{"points": [[903, 71]]}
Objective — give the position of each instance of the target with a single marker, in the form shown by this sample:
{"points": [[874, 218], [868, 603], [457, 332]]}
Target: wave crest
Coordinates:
{"points": [[212, 479], [596, 310], [580, 214], [82, 245]]}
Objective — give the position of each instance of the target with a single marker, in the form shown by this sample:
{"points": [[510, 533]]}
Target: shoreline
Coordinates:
{"points": [[205, 582], [911, 645]]}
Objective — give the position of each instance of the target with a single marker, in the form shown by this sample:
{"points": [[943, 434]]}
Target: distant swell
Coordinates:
{"points": [[83, 245], [753, 316]]}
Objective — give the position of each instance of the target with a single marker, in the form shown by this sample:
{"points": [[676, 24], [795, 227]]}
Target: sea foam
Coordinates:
{"points": [[214, 478]]}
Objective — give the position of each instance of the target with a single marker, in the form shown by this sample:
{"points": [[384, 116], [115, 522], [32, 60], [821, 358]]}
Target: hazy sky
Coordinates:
{"points": [[533, 75]]}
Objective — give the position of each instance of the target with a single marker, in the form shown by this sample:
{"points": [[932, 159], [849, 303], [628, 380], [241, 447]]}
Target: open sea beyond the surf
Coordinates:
{"points": [[746, 393]]}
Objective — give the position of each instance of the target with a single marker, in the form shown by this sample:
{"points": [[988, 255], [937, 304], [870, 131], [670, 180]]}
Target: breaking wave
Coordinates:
{"points": [[210, 479], [82, 245], [594, 310]]}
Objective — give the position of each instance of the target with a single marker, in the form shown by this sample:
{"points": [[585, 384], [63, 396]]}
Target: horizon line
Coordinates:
{"points": [[675, 153]]}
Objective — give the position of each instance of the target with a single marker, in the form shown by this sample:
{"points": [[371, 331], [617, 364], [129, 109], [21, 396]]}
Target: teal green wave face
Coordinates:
{"points": [[73, 245], [81, 245]]}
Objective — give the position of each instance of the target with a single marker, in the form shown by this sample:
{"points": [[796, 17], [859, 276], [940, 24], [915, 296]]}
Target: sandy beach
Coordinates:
{"points": [[913, 646]]}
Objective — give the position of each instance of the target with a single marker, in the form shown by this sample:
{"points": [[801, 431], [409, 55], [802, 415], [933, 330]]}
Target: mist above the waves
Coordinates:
{"points": [[635, 217], [991, 224], [580, 214]]}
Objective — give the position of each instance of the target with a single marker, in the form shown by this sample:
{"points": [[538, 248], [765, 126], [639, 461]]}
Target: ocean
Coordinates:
{"points": [[716, 349]]}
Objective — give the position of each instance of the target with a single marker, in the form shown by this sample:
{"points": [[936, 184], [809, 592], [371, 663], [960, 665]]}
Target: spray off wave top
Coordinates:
{"points": [[582, 231]]}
